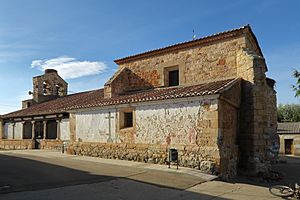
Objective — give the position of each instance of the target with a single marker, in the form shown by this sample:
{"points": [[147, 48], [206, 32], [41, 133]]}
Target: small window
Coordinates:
{"points": [[171, 76], [128, 119], [28, 104], [174, 78]]}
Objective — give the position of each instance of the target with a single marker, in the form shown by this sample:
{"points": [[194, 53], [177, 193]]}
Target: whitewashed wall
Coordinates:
{"points": [[18, 134], [169, 123], [92, 126], [64, 129], [11, 132], [7, 130]]}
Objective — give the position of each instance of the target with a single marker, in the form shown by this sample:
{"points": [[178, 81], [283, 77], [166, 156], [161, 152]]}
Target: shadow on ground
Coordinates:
{"points": [[24, 178], [287, 166]]}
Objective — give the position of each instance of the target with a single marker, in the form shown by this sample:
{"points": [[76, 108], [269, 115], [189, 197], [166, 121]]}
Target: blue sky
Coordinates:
{"points": [[92, 33]]}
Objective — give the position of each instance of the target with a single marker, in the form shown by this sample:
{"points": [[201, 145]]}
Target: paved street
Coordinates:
{"points": [[52, 175]]}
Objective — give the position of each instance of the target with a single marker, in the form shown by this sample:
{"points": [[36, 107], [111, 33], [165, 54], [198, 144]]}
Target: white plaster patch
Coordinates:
{"points": [[18, 132], [9, 129], [6, 130], [170, 123], [93, 126], [64, 129]]}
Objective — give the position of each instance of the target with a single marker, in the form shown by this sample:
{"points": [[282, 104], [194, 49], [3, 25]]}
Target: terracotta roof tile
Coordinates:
{"points": [[95, 98]]}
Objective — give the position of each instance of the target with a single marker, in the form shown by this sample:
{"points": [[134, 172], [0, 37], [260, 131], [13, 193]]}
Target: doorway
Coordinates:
{"points": [[288, 146], [38, 134]]}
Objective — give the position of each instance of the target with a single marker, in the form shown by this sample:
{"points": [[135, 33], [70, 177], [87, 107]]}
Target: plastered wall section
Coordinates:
{"points": [[64, 129], [93, 126], [167, 123], [13, 131], [191, 123], [18, 132]]}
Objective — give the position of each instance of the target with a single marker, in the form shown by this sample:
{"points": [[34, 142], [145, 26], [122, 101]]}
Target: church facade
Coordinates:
{"points": [[209, 98]]}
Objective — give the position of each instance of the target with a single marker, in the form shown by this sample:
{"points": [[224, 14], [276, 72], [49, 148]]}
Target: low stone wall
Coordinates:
{"points": [[51, 144], [189, 156], [16, 144]]}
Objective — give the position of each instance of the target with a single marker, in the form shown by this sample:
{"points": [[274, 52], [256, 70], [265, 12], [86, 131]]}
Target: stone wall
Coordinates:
{"points": [[199, 64], [51, 144], [126, 80], [257, 114], [228, 127], [189, 155], [48, 86], [16, 144], [192, 126]]}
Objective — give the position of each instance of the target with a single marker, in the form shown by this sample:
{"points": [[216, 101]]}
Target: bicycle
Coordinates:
{"points": [[285, 191]]}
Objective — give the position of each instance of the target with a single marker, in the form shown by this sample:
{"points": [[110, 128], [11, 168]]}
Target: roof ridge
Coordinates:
{"points": [[121, 60]]}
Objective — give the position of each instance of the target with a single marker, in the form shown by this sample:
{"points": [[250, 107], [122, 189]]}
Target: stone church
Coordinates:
{"points": [[209, 98]]}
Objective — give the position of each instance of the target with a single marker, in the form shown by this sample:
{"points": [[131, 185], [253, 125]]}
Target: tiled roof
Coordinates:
{"points": [[95, 98], [288, 128], [191, 43]]}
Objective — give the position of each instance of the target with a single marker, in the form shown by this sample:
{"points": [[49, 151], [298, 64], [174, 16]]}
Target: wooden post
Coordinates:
{"points": [[33, 129], [23, 129], [13, 131], [1, 129], [58, 129]]}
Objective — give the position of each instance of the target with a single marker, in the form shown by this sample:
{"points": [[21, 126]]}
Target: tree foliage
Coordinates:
{"points": [[296, 87], [288, 113]]}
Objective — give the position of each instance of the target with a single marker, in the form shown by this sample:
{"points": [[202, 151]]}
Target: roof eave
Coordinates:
{"points": [[208, 39]]}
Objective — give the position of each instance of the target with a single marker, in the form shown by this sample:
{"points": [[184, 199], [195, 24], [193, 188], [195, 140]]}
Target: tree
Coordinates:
{"points": [[288, 113], [296, 87]]}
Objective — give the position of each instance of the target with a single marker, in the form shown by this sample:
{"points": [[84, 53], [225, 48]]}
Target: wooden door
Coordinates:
{"points": [[288, 146]]}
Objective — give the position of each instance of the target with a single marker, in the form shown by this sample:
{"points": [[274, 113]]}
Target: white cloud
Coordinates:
{"points": [[69, 68]]}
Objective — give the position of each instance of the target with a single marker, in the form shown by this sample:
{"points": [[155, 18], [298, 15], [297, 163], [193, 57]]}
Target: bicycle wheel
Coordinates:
{"points": [[281, 191]]}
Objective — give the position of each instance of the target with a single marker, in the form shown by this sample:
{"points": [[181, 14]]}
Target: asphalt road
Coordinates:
{"points": [[40, 171], [37, 175]]}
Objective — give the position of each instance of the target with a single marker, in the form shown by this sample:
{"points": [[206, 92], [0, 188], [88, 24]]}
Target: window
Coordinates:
{"points": [[174, 78], [171, 76], [128, 119]]}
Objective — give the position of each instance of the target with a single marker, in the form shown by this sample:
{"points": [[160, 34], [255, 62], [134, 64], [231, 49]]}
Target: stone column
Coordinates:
{"points": [[45, 130], [33, 129], [23, 129], [58, 129], [1, 129], [72, 124], [13, 131]]}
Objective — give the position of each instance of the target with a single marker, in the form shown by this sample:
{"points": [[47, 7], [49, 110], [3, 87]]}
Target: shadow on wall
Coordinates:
{"points": [[22, 174]]}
